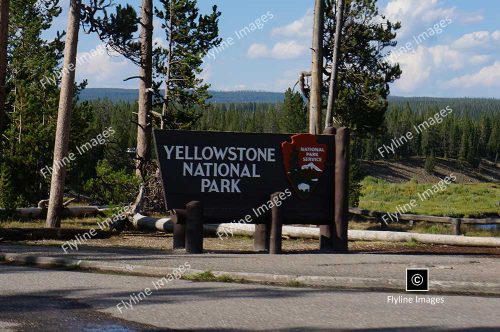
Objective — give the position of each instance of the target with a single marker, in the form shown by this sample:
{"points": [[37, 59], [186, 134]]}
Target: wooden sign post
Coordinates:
{"points": [[263, 179]]}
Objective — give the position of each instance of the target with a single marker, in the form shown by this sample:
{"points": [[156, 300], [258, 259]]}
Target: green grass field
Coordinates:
{"points": [[456, 200]]}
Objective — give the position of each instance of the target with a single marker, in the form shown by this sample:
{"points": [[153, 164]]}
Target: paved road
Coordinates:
{"points": [[461, 268], [49, 300]]}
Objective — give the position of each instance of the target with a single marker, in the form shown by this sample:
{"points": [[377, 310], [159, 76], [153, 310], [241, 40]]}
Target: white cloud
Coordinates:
{"points": [[257, 51], [445, 56], [416, 69], [416, 15], [469, 18], [426, 62], [488, 76], [207, 72], [298, 28], [281, 50], [477, 39], [159, 42], [479, 59], [103, 70], [428, 65], [288, 50]]}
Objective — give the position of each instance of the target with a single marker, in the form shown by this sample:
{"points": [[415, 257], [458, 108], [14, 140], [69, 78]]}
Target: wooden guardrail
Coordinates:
{"points": [[455, 222]]}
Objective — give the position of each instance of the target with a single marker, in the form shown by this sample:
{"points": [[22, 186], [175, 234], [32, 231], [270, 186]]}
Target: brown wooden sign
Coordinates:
{"points": [[235, 174]]}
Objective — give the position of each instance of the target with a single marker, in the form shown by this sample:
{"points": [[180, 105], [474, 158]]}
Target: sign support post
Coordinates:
{"points": [[341, 207], [194, 227], [276, 227], [326, 232], [179, 231], [261, 237], [179, 236]]}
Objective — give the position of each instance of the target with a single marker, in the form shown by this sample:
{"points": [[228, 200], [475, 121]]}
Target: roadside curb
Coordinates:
{"points": [[347, 283]]}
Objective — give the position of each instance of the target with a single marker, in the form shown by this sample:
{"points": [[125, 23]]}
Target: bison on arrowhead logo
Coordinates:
{"points": [[304, 160]]}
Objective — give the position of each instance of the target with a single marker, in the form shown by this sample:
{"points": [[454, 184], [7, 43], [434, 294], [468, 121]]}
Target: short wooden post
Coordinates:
{"points": [[179, 233], [179, 236], [455, 225], [327, 231], [341, 205], [194, 227], [261, 237], [326, 237], [276, 226]]}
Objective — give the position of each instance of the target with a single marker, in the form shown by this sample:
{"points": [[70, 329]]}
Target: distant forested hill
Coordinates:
{"points": [[469, 105], [469, 134], [130, 95]]}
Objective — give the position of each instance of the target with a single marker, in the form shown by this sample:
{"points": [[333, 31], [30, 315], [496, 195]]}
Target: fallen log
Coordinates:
{"points": [[451, 240], [223, 230], [144, 223], [359, 235]]}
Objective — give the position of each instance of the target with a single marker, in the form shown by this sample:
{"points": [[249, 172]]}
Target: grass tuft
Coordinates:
{"points": [[295, 283], [209, 276]]}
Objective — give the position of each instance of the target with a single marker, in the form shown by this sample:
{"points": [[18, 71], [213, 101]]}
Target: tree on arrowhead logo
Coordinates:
{"points": [[304, 160]]}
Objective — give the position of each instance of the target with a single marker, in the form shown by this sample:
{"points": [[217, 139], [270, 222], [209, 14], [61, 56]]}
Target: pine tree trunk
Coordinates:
{"points": [[167, 78], [64, 117], [333, 92], [315, 102], [145, 97], [4, 34]]}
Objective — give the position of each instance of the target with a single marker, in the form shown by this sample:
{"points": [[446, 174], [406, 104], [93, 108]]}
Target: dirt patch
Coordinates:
{"points": [[31, 234], [419, 249], [242, 244]]}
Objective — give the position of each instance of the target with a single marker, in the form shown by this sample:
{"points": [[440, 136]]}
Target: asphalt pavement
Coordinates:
{"points": [[34, 299], [460, 274]]}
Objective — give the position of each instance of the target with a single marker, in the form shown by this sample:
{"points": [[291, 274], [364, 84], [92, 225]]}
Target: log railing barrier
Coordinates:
{"points": [[453, 221]]}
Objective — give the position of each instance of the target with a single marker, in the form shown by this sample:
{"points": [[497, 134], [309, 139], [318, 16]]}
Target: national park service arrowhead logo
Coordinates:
{"points": [[304, 160]]}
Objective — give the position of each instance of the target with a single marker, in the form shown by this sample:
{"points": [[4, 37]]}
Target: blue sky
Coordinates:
{"points": [[460, 58]]}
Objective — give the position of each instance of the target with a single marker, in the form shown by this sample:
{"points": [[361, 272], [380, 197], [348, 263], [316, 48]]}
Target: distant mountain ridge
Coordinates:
{"points": [[131, 95], [415, 103]]}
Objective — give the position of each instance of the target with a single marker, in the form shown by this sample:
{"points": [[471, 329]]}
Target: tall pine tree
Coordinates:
{"points": [[364, 72], [294, 113], [189, 37]]}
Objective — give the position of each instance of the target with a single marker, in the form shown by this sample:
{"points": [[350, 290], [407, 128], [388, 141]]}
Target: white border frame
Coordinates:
{"points": [[418, 268]]}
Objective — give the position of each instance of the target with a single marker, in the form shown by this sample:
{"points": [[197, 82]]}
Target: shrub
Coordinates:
{"points": [[7, 190], [112, 186], [430, 164], [355, 177]]}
